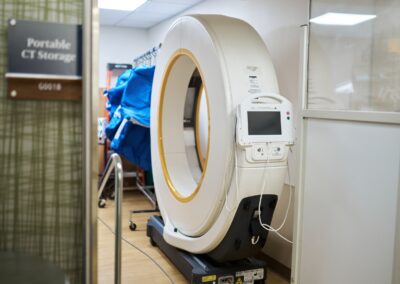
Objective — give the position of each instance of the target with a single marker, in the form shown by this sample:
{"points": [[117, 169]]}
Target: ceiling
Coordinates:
{"points": [[147, 15]]}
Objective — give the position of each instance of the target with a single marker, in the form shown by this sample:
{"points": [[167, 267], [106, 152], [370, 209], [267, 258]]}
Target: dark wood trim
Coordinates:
{"points": [[44, 89]]}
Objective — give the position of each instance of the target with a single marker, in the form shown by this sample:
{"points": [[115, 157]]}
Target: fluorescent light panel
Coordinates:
{"points": [[345, 88], [341, 19], [122, 5]]}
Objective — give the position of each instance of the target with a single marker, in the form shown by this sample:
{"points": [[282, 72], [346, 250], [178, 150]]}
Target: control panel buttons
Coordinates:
{"points": [[260, 152]]}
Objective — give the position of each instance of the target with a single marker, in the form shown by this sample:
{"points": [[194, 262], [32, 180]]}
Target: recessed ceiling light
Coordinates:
{"points": [[341, 19], [122, 5]]}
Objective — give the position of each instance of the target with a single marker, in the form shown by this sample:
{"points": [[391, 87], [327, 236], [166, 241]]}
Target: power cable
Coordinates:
{"points": [[265, 185], [140, 250]]}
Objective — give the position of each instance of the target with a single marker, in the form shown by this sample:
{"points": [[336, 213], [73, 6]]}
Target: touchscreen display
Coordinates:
{"points": [[264, 123]]}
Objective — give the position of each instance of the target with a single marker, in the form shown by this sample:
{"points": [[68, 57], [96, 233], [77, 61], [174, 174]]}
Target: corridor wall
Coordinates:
{"points": [[119, 45]]}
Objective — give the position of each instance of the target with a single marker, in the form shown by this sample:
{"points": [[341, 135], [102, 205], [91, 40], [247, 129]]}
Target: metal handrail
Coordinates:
{"points": [[115, 163]]}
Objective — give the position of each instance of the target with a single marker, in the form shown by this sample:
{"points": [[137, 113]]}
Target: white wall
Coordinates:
{"points": [[278, 23], [119, 45]]}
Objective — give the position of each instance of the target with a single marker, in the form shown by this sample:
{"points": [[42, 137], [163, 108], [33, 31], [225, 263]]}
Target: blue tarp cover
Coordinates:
{"points": [[114, 95], [129, 107]]}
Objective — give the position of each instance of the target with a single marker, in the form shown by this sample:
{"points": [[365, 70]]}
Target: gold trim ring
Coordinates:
{"points": [[184, 199]]}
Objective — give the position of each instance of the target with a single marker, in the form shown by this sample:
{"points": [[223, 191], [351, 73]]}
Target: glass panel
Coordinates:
{"points": [[41, 187], [354, 55]]}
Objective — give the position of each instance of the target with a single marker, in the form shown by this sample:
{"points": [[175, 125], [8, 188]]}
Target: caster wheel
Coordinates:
{"points": [[102, 203], [132, 226], [152, 242]]}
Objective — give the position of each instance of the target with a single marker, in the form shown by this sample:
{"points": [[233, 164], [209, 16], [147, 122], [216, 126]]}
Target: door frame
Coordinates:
{"points": [[89, 113]]}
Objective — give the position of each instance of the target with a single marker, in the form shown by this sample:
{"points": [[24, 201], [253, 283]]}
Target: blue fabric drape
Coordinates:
{"points": [[128, 129], [114, 95]]}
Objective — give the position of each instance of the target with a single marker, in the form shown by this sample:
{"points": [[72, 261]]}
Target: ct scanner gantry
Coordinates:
{"points": [[219, 174]]}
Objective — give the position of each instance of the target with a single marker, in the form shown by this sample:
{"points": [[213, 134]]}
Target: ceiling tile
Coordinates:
{"points": [[111, 17], [185, 2], [161, 8], [147, 15], [141, 19]]}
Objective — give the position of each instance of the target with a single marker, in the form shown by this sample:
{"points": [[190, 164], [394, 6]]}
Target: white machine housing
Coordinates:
{"points": [[234, 64]]}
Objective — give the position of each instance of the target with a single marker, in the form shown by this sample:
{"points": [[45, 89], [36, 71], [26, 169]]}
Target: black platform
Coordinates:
{"points": [[202, 269]]}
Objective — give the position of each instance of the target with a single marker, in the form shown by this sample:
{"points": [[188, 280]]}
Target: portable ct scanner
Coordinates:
{"points": [[211, 208]]}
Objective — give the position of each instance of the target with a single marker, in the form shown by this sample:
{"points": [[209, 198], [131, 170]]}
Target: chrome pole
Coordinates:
{"points": [[119, 180]]}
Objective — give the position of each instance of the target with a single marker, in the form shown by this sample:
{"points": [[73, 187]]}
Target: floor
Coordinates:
{"points": [[141, 262]]}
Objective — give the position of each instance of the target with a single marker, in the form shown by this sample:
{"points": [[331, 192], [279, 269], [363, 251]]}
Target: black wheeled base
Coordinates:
{"points": [[200, 269]]}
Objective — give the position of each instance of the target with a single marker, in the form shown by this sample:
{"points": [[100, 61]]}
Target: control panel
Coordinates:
{"points": [[264, 118], [264, 128]]}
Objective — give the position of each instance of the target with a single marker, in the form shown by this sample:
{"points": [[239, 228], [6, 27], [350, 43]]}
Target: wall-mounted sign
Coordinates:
{"points": [[44, 60]]}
